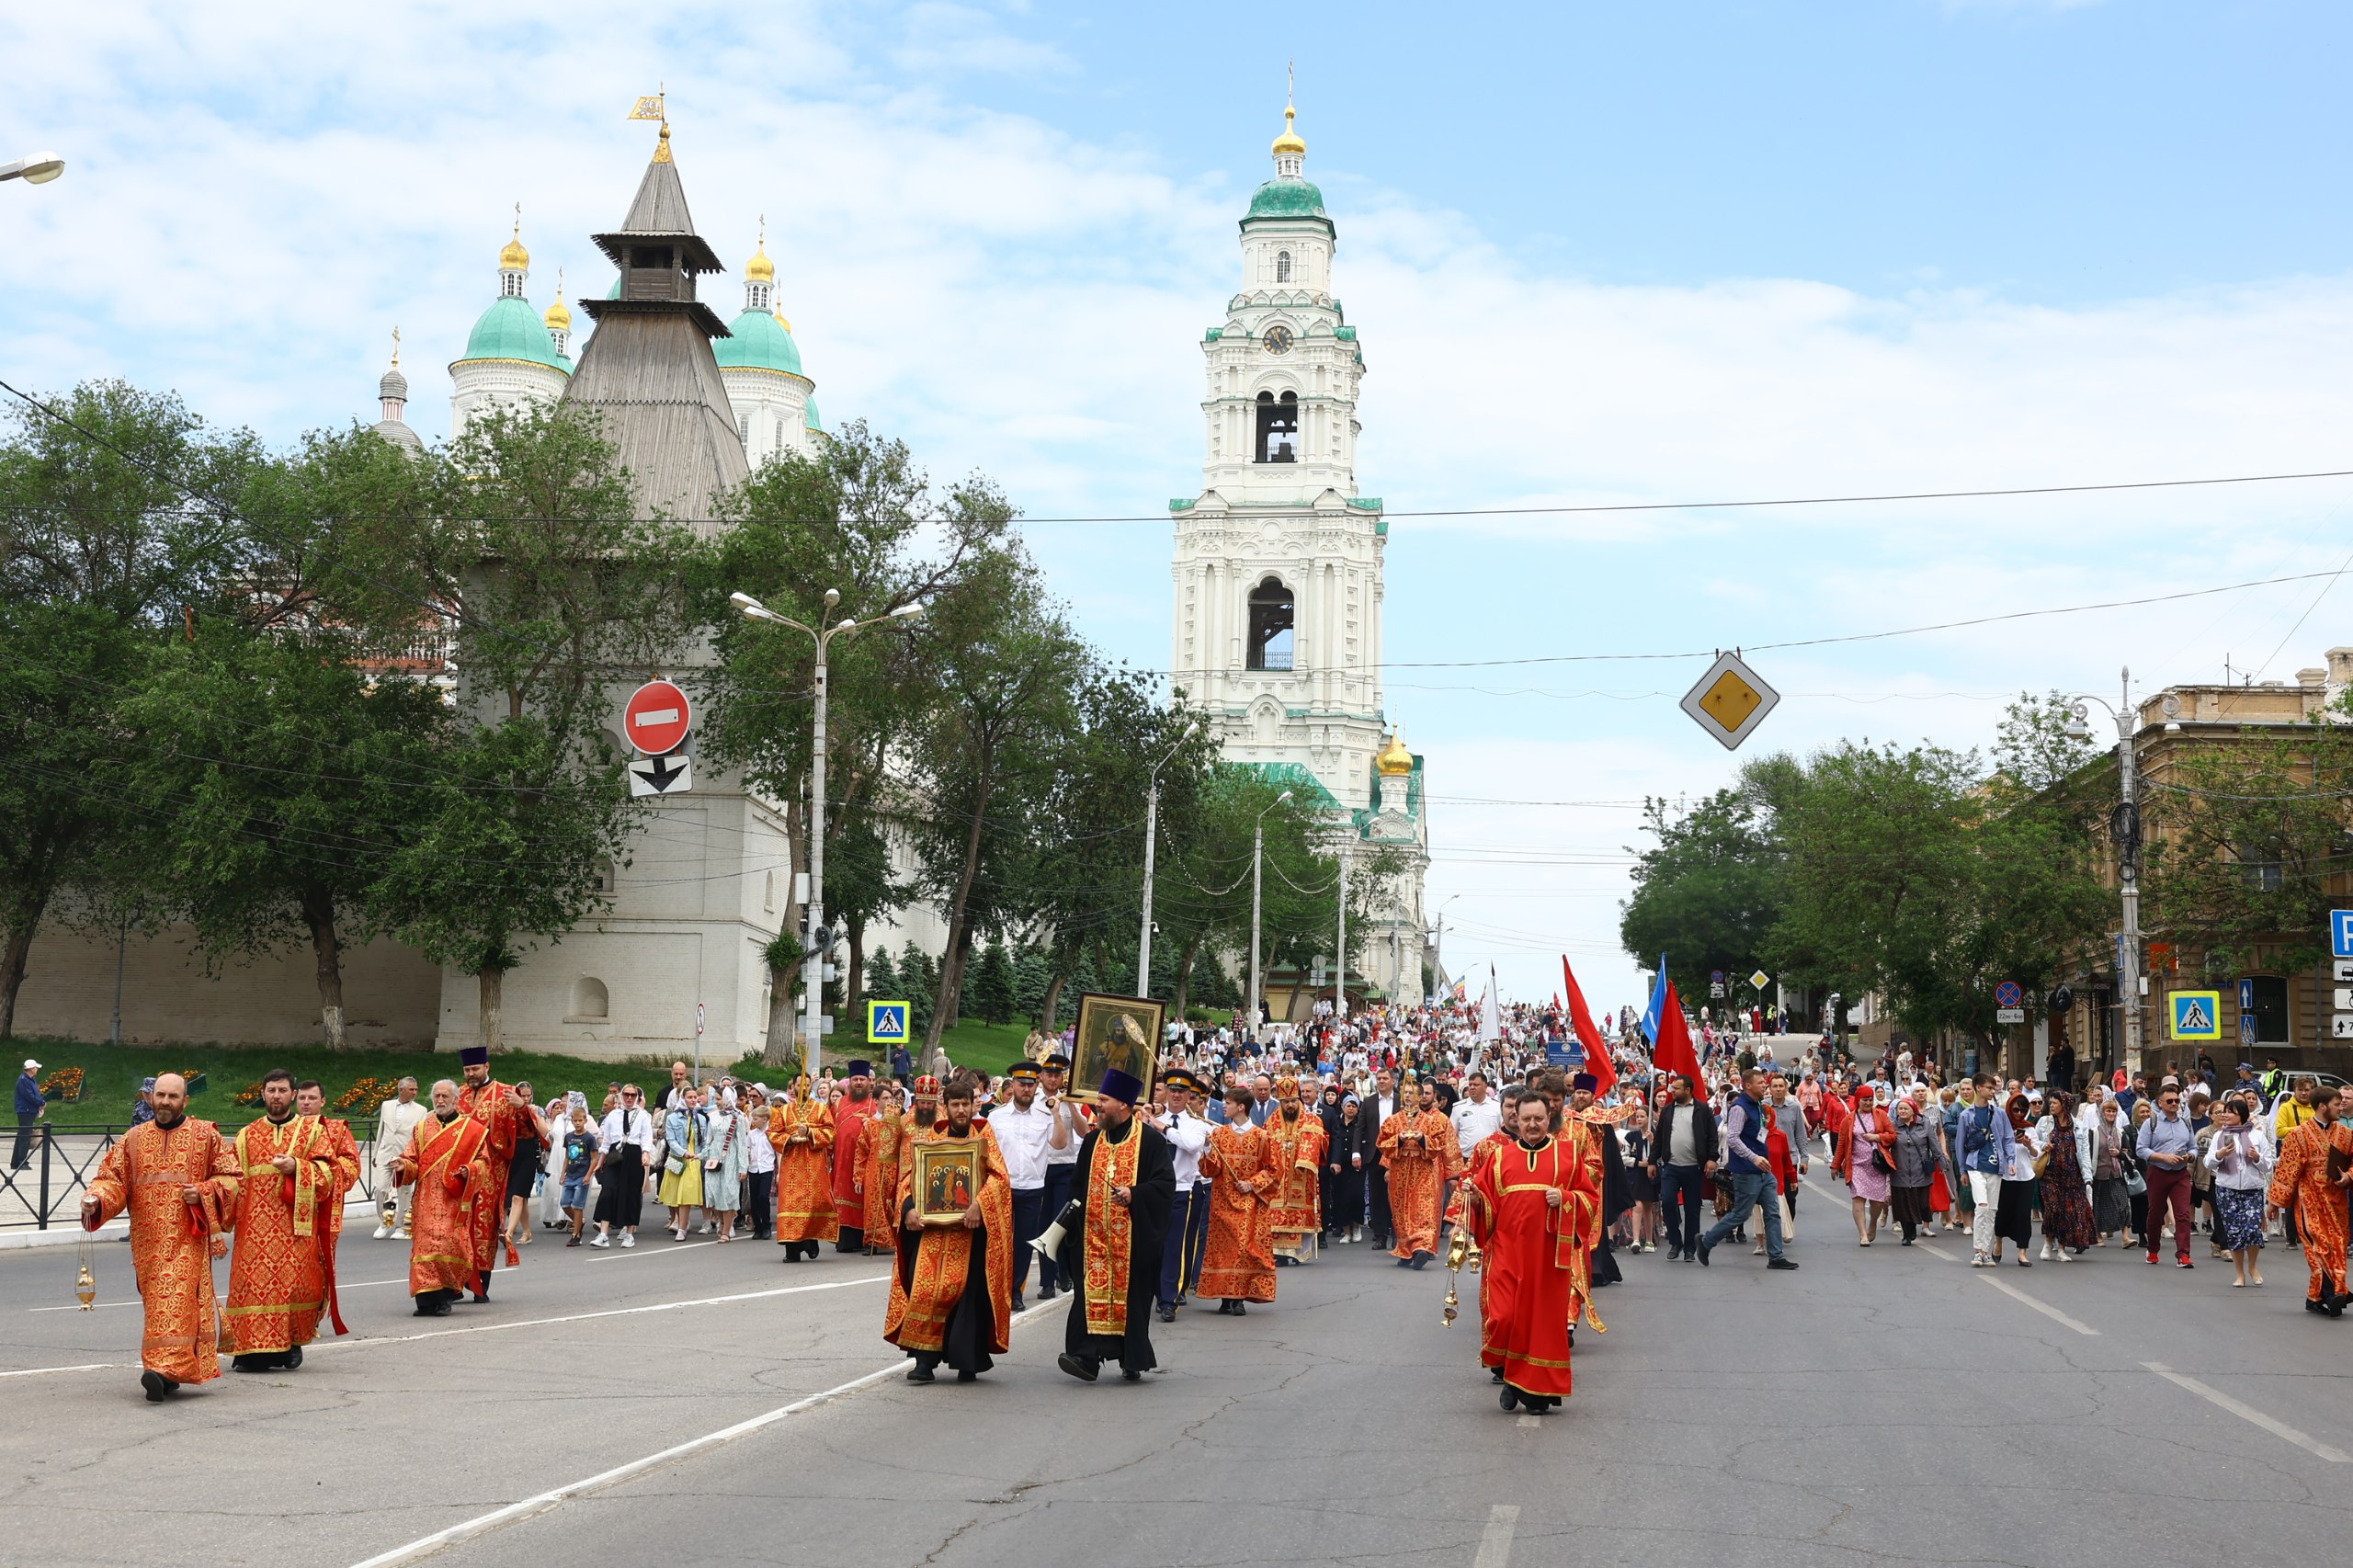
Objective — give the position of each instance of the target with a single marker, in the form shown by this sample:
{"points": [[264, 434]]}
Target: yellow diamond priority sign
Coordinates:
{"points": [[1730, 700]]}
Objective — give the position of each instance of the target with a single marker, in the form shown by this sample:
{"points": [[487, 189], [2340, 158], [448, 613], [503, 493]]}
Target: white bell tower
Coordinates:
{"points": [[1279, 560], [1278, 569]]}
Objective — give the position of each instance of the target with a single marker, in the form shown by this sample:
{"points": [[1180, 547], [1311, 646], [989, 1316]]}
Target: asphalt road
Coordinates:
{"points": [[1877, 1405]]}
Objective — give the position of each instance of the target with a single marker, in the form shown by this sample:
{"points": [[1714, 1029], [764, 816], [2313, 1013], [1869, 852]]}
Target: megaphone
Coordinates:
{"points": [[1049, 1241]]}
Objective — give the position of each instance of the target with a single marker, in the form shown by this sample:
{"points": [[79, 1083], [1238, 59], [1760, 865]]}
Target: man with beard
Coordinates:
{"points": [[1417, 1148], [1126, 1178], [1295, 1153], [851, 1197], [447, 1161], [179, 1179], [951, 1286], [276, 1277], [1534, 1208], [504, 1113]]}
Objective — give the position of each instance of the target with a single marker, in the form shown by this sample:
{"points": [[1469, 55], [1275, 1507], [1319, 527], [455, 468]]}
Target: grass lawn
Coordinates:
{"points": [[111, 1074]]}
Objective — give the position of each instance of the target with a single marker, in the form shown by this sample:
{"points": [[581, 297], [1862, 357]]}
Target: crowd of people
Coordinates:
{"points": [[1417, 1130]]}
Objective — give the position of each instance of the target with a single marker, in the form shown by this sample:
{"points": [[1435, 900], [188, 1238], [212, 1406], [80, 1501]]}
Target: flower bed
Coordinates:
{"points": [[64, 1085], [367, 1096]]}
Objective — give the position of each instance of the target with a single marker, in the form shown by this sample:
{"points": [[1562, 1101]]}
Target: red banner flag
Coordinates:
{"points": [[1673, 1055], [1597, 1050]]}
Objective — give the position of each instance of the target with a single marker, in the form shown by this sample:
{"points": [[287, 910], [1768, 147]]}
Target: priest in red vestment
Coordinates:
{"points": [[277, 1276], [850, 1118], [951, 1284], [501, 1111], [447, 1161], [179, 1179], [1535, 1209]]}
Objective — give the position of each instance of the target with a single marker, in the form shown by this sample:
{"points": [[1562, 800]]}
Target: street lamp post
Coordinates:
{"points": [[1151, 837], [812, 964], [1340, 976], [33, 168], [1257, 857], [1441, 934], [2126, 832]]}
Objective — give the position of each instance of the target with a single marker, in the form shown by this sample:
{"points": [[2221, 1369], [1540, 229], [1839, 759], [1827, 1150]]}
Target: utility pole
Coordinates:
{"points": [[1151, 840], [1258, 862], [2128, 876], [1340, 972]]}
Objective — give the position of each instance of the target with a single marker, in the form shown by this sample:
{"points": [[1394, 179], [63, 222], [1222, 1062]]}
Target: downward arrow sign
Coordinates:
{"points": [[655, 775]]}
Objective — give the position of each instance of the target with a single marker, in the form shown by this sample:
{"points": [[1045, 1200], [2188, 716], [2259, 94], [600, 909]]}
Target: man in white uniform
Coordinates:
{"points": [[395, 1120], [1188, 1135]]}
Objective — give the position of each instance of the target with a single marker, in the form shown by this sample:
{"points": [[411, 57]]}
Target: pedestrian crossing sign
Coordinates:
{"points": [[2196, 1014], [886, 1023]]}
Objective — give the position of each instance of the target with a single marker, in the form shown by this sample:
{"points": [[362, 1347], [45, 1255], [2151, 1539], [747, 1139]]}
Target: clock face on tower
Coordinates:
{"points": [[1277, 339]]}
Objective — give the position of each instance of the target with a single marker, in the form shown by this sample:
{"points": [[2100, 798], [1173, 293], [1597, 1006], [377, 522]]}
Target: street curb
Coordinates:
{"points": [[70, 1233]]}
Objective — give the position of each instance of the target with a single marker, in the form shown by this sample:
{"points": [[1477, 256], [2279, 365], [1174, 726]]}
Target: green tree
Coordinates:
{"points": [[1708, 891], [860, 520], [118, 526], [992, 985]]}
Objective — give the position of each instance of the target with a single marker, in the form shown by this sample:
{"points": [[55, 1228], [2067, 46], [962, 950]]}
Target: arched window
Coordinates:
{"points": [[1277, 429], [590, 999], [1282, 266], [1270, 622]]}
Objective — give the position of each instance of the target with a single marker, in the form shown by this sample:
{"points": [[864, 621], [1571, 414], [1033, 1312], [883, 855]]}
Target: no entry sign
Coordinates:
{"points": [[656, 719]]}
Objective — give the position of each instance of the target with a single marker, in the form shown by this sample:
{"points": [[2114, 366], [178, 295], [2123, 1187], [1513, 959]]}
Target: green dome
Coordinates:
{"points": [[1287, 196], [809, 420], [510, 329], [757, 341]]}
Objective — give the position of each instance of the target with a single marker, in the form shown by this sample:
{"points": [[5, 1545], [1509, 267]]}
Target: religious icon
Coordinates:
{"points": [[1116, 1031], [948, 1173]]}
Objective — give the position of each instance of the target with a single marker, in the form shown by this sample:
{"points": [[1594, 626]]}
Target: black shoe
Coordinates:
{"points": [[919, 1374], [1242, 1309], [1047, 1293], [1129, 1375], [1675, 1254], [1169, 1314], [1705, 1246], [1421, 1260], [158, 1386], [1084, 1368], [1509, 1398], [250, 1363], [968, 1377], [1785, 1264], [1495, 1374], [1019, 1305], [293, 1359]]}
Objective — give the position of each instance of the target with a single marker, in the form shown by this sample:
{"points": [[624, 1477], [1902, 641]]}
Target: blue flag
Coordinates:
{"points": [[1658, 1001]]}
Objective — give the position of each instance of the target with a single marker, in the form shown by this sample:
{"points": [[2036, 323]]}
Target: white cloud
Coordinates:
{"points": [[258, 195]]}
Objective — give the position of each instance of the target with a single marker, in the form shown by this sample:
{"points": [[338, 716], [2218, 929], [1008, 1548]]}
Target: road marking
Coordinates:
{"points": [[1933, 1252], [607, 1312], [340, 1286], [2245, 1412], [555, 1497], [317, 1345], [85, 1367], [616, 1256], [2045, 1308], [1530, 1421], [1494, 1542]]}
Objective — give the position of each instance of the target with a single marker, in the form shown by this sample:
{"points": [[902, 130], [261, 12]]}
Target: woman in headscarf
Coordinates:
{"points": [[1917, 1163], [1868, 1133], [2014, 1215], [2136, 1184], [2068, 1224], [1351, 1152], [723, 1163], [1329, 1111], [2241, 1157], [2102, 1136]]}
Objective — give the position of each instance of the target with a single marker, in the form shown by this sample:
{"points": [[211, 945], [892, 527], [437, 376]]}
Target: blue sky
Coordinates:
{"points": [[1626, 254]]}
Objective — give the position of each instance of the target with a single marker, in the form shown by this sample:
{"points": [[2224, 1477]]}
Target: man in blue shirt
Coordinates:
{"points": [[2168, 1147], [29, 1104], [1745, 1130], [1983, 1135]]}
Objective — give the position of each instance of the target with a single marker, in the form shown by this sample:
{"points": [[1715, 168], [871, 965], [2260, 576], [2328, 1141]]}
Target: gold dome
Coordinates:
{"points": [[515, 258], [760, 270], [1289, 141], [559, 316], [1395, 761]]}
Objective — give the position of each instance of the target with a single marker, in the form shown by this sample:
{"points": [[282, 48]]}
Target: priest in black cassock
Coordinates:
{"points": [[1126, 1178]]}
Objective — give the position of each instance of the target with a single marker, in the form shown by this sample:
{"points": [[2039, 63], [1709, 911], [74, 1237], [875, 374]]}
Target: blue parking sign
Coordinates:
{"points": [[2340, 933]]}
